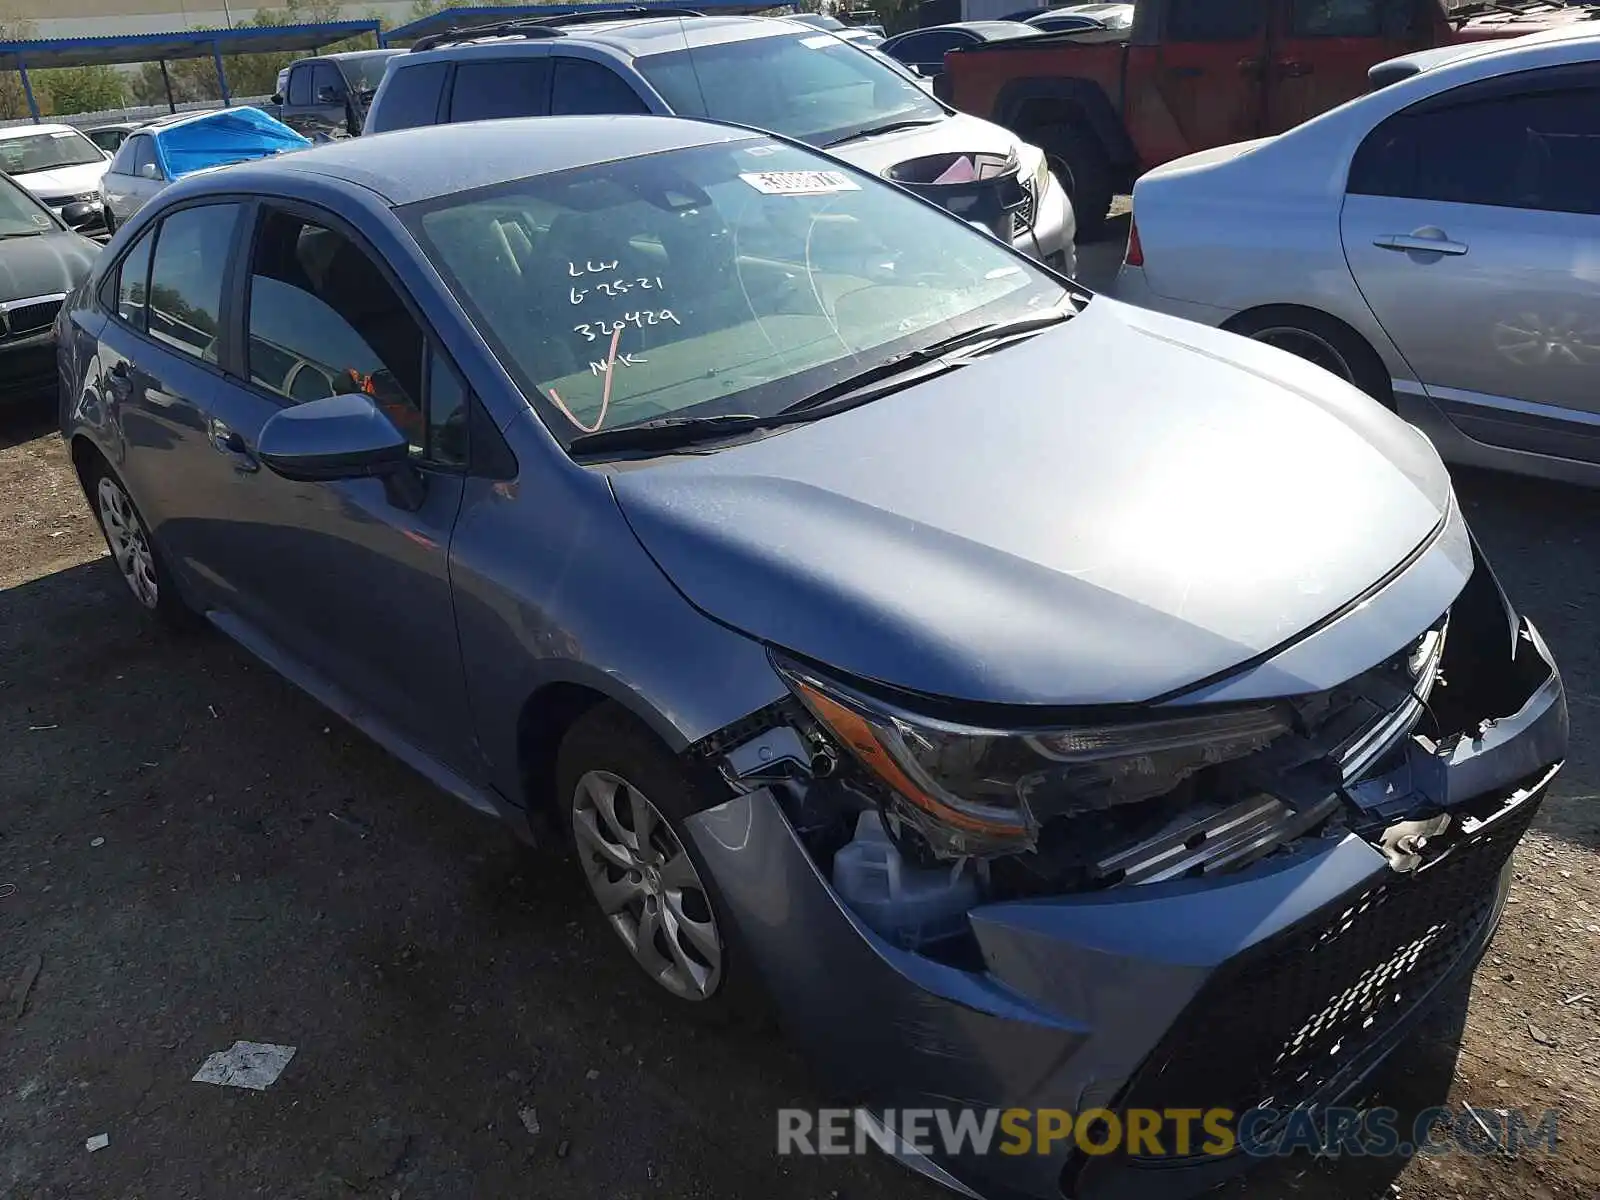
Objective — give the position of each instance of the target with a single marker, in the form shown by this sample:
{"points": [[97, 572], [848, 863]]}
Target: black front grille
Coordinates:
{"points": [[1276, 1028], [31, 318]]}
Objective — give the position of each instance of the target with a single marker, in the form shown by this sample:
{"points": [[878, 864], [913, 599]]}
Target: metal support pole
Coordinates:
{"points": [[172, 107], [27, 90], [222, 76]]}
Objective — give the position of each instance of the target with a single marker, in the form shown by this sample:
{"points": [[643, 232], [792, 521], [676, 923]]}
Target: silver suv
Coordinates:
{"points": [[784, 76]]}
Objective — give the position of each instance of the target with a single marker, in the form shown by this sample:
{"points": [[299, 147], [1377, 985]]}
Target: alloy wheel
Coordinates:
{"points": [[646, 885], [129, 545], [1307, 345]]}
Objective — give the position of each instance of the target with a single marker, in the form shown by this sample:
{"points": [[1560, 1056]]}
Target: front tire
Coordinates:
{"points": [[626, 799], [1080, 164]]}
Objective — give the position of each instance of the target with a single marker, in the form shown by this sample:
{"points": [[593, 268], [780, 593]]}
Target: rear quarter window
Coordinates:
{"points": [[410, 97]]}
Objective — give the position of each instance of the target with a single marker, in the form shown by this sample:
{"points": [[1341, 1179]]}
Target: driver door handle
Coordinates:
{"points": [[231, 443], [1412, 241]]}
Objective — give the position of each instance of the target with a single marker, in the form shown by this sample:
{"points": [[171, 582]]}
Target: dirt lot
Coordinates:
{"points": [[193, 853]]}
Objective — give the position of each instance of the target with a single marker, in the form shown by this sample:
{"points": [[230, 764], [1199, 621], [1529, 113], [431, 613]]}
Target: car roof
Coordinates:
{"points": [[988, 30], [637, 36], [478, 154], [1406, 65], [350, 54]]}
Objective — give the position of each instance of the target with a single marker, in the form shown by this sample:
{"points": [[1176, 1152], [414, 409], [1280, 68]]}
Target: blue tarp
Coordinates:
{"points": [[229, 135]]}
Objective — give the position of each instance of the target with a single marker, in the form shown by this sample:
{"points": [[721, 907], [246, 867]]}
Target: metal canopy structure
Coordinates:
{"points": [[465, 18], [23, 56]]}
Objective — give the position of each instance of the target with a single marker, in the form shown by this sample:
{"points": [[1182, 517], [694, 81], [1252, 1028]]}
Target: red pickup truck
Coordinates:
{"points": [[1192, 74]]}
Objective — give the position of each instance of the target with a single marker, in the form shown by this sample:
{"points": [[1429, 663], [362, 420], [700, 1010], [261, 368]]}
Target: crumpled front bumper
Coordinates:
{"points": [[1196, 992]]}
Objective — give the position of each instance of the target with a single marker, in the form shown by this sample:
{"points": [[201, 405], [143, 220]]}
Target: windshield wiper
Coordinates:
{"points": [[896, 369], [862, 387], [886, 127], [663, 433]]}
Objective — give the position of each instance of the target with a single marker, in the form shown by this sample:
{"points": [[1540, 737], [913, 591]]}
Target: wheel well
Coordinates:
{"points": [[85, 454], [1304, 315], [541, 725]]}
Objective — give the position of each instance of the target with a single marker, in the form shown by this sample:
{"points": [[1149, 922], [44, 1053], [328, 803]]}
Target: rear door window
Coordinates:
{"points": [[582, 86], [185, 302], [928, 49], [300, 85], [512, 87], [1537, 149], [1351, 18], [411, 97], [1215, 20]]}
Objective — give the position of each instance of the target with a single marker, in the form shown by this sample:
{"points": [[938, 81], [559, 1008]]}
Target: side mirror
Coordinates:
{"points": [[341, 437], [149, 171], [277, 98]]}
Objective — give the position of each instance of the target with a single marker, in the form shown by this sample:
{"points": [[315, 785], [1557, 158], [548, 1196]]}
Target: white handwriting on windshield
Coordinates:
{"points": [[590, 268], [622, 360], [591, 330], [616, 287]]}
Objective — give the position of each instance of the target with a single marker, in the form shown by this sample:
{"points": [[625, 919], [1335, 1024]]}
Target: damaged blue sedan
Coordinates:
{"points": [[1053, 704]]}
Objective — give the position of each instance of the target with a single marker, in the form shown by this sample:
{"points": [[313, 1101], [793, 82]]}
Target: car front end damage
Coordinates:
{"points": [[1242, 907]]}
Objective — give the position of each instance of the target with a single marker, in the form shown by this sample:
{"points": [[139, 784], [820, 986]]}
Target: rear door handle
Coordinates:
{"points": [[1438, 244], [231, 443]]}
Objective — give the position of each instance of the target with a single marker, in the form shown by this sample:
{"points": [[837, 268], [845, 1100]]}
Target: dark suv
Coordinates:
{"points": [[790, 78]]}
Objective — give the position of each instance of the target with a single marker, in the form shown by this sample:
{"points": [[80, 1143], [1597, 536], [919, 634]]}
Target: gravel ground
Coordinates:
{"points": [[191, 853]]}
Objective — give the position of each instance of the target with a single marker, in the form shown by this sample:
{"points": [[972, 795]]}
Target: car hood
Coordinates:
{"points": [[64, 181], [1111, 511], [47, 265], [958, 133]]}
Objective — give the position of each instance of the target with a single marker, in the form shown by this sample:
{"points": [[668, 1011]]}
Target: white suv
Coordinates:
{"points": [[783, 76]]}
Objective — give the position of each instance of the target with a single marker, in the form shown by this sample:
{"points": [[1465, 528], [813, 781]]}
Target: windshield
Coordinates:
{"points": [[808, 86], [20, 214], [42, 151], [365, 72], [735, 278]]}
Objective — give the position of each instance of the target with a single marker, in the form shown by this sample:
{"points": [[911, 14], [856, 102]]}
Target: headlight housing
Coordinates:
{"points": [[977, 791]]}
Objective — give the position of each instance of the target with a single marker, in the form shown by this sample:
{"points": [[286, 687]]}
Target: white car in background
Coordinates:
{"points": [[61, 167], [1435, 242]]}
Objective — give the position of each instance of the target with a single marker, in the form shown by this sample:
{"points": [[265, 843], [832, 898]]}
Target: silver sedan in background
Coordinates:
{"points": [[1435, 242]]}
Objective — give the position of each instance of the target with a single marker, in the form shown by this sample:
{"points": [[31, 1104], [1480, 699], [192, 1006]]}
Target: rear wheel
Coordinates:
{"points": [[1321, 339], [1080, 163], [137, 559]]}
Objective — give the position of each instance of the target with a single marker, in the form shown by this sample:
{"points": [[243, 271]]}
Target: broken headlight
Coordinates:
{"points": [[986, 791]]}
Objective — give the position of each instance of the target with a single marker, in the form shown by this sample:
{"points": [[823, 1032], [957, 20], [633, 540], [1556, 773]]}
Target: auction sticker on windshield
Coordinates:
{"points": [[799, 183]]}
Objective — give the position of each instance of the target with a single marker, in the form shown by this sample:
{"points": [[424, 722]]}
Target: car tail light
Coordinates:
{"points": [[1135, 255]]}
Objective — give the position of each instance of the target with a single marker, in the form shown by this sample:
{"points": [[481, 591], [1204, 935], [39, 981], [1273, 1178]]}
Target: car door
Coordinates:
{"points": [[505, 87], [148, 177], [117, 183], [1472, 226], [1323, 48], [329, 113], [1209, 77], [301, 97], [160, 360], [351, 590]]}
